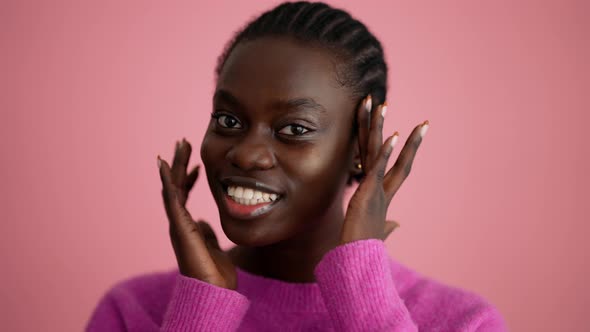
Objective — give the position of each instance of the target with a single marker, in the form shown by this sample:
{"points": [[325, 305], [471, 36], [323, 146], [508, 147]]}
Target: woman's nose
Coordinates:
{"points": [[252, 154]]}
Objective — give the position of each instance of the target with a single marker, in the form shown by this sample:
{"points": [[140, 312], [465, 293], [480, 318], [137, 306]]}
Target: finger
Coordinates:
{"points": [[178, 216], [390, 226], [375, 136], [363, 115], [190, 247], [385, 150], [191, 178], [180, 162], [188, 242], [403, 165], [167, 186], [209, 234]]}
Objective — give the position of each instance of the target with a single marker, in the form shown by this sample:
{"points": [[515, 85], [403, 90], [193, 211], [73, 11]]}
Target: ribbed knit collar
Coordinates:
{"points": [[280, 295], [284, 296]]}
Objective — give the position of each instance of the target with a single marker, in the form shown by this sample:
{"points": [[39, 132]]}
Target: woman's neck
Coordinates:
{"points": [[292, 260]]}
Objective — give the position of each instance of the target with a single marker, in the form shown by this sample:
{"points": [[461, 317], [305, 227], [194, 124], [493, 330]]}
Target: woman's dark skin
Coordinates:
{"points": [[281, 118]]}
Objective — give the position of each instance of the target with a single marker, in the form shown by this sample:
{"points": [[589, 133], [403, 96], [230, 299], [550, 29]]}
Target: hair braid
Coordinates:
{"points": [[364, 68]]}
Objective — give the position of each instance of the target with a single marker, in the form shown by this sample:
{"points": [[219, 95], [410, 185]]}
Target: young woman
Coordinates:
{"points": [[297, 116]]}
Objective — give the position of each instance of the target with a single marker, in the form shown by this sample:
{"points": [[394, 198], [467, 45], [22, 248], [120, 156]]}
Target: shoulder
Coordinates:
{"points": [[434, 304]]}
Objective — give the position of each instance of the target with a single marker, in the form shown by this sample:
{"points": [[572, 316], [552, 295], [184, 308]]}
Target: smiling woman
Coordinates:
{"points": [[297, 116]]}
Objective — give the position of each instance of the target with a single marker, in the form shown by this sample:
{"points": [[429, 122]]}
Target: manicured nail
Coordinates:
{"points": [[384, 109], [159, 162], [394, 139], [369, 103], [424, 128]]}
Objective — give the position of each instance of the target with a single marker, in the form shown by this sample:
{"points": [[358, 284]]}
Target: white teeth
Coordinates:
{"points": [[249, 196]]}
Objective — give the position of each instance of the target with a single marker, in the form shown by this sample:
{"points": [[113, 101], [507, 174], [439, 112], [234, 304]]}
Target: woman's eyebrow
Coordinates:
{"points": [[301, 103], [226, 96]]}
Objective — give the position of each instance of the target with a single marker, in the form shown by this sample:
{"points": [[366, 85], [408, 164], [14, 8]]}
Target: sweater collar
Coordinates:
{"points": [[280, 295]]}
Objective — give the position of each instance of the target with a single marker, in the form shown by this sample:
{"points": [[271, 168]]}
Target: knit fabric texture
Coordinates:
{"points": [[358, 288]]}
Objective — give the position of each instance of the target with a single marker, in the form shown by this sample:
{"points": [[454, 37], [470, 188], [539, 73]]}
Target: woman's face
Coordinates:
{"points": [[282, 126]]}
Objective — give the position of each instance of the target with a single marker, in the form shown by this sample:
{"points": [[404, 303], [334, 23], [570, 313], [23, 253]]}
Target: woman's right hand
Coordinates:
{"points": [[195, 245]]}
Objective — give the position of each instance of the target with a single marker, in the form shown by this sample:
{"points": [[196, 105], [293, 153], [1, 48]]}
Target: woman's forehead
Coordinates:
{"points": [[281, 68]]}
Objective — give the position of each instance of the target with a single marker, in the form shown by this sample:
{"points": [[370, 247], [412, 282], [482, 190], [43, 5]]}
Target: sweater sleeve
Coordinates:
{"points": [[194, 306], [358, 289]]}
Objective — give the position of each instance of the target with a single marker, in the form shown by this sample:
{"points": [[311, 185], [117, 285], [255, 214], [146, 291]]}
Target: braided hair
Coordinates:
{"points": [[364, 70]]}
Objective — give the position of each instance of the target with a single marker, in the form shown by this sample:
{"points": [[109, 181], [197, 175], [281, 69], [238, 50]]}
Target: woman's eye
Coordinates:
{"points": [[293, 130], [227, 121]]}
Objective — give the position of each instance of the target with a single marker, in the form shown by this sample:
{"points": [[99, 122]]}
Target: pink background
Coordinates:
{"points": [[91, 93]]}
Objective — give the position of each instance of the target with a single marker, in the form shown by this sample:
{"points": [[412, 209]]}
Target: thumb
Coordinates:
{"points": [[390, 226], [208, 234]]}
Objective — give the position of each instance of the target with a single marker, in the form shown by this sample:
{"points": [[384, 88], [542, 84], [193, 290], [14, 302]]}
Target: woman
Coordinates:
{"points": [[297, 116]]}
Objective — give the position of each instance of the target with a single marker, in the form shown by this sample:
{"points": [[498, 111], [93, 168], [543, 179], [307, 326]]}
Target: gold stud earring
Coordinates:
{"points": [[359, 166]]}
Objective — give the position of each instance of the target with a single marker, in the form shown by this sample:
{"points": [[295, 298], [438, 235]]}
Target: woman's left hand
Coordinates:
{"points": [[367, 209]]}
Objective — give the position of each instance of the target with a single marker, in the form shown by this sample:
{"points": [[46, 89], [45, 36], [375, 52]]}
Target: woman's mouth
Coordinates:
{"points": [[247, 203]]}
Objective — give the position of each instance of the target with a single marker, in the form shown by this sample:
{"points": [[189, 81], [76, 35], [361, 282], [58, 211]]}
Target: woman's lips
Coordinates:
{"points": [[242, 211], [248, 182], [248, 198]]}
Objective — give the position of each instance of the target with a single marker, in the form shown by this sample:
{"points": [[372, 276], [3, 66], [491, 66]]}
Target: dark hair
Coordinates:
{"points": [[364, 68]]}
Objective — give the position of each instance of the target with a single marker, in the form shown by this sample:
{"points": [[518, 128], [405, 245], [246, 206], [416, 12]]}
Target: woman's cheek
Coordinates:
{"points": [[205, 147], [211, 148], [315, 167]]}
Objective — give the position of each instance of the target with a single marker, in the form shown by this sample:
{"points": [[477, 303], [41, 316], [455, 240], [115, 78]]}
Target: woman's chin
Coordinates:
{"points": [[256, 232], [246, 237]]}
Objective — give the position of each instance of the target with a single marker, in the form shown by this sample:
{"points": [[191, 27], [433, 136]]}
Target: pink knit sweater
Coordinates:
{"points": [[358, 288]]}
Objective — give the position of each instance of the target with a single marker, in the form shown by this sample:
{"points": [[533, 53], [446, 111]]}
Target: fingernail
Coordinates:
{"points": [[394, 139], [424, 128], [159, 162], [369, 103], [384, 109]]}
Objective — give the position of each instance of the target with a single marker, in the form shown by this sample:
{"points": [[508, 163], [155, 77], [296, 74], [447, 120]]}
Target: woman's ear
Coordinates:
{"points": [[355, 167]]}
